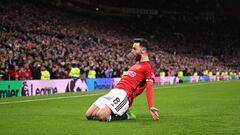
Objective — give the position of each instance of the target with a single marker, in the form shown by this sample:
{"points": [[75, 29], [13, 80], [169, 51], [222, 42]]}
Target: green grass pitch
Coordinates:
{"points": [[211, 108]]}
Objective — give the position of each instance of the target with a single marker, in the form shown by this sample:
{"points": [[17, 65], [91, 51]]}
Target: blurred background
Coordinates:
{"points": [[58, 39]]}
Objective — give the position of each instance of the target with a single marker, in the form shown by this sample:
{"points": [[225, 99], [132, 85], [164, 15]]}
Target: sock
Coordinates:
{"points": [[114, 117]]}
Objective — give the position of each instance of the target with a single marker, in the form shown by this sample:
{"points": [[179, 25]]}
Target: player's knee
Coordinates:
{"points": [[88, 115]]}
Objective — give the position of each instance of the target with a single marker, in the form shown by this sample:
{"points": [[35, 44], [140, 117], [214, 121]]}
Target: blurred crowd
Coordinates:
{"points": [[35, 38]]}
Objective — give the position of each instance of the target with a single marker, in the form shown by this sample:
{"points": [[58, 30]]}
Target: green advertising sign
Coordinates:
{"points": [[186, 79], [10, 88]]}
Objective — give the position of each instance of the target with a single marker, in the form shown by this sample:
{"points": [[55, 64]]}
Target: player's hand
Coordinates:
{"points": [[154, 113]]}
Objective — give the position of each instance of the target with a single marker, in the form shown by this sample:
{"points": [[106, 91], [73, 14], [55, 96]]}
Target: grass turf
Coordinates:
{"points": [[185, 109]]}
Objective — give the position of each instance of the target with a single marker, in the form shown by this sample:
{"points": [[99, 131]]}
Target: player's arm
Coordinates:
{"points": [[150, 97]]}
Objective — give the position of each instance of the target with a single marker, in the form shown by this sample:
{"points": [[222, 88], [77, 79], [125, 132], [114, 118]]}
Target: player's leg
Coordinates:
{"points": [[95, 107], [92, 112], [104, 113], [119, 105], [112, 106]]}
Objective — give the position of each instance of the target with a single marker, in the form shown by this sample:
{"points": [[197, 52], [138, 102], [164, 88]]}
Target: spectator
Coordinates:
{"points": [[75, 71], [45, 74]]}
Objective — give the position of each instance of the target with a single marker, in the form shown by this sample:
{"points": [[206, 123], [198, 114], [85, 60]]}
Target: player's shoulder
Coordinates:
{"points": [[147, 64]]}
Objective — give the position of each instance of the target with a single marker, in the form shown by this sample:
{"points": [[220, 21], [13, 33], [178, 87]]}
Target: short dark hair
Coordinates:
{"points": [[143, 42]]}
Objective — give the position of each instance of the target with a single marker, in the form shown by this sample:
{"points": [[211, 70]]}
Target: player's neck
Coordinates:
{"points": [[144, 58]]}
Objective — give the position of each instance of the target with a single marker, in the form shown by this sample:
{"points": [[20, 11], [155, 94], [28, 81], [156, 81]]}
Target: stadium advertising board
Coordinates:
{"points": [[205, 78], [221, 77], [10, 89], [194, 79], [157, 80], [186, 79], [45, 87], [100, 83], [116, 81], [76, 85], [226, 77], [169, 80], [42, 87], [212, 78]]}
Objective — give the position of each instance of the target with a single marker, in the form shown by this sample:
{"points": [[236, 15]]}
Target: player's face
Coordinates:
{"points": [[136, 51]]}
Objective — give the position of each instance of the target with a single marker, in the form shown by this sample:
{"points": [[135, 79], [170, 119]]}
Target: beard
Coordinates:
{"points": [[138, 57]]}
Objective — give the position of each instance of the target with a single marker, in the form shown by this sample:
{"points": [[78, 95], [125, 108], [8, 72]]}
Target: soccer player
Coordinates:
{"points": [[115, 104]]}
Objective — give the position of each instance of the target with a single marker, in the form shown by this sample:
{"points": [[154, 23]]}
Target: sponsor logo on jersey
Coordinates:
{"points": [[131, 73]]}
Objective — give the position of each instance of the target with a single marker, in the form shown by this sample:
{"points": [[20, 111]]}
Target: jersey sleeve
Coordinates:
{"points": [[150, 73], [150, 94], [150, 76]]}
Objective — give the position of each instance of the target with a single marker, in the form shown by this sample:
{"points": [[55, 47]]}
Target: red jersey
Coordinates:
{"points": [[15, 75], [27, 74], [135, 79]]}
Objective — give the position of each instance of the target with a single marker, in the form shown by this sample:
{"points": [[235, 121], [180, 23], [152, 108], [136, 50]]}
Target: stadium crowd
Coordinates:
{"points": [[35, 39]]}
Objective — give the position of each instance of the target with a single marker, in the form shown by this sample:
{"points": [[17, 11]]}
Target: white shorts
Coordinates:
{"points": [[116, 100]]}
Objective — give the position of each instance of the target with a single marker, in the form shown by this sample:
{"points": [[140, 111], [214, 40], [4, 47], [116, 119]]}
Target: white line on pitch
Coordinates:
{"points": [[44, 99]]}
